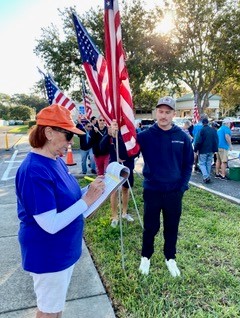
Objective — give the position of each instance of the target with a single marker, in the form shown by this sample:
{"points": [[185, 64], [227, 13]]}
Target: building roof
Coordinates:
{"points": [[190, 97]]}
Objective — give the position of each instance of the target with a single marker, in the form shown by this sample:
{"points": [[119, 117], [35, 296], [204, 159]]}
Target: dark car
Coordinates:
{"points": [[235, 129], [146, 123]]}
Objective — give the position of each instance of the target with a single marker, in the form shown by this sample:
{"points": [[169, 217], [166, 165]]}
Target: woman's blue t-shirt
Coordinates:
{"points": [[44, 184]]}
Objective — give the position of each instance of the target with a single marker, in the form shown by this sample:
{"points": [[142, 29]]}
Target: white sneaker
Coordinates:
{"points": [[144, 266], [114, 223], [128, 217], [172, 267]]}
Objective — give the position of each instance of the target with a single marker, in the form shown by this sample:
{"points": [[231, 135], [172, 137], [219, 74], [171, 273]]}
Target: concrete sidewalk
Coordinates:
{"points": [[87, 297]]}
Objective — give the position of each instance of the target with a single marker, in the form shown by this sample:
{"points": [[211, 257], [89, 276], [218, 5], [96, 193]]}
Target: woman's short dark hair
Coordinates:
{"points": [[37, 137]]}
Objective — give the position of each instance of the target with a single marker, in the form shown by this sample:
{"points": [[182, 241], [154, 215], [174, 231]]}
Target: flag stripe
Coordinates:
{"points": [[119, 87], [95, 68], [86, 101], [55, 95], [196, 116]]}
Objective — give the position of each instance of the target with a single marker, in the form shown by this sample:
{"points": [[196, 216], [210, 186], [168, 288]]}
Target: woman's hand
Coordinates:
{"points": [[95, 190]]}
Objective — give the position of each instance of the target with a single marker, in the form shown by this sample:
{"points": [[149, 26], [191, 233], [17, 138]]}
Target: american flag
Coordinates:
{"points": [[86, 101], [95, 68], [119, 87], [55, 95], [196, 116]]}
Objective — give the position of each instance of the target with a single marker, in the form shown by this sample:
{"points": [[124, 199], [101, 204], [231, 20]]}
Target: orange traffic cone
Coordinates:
{"points": [[69, 160]]}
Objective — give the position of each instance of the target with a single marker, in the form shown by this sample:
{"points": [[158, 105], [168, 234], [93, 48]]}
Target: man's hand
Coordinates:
{"points": [[114, 128]]}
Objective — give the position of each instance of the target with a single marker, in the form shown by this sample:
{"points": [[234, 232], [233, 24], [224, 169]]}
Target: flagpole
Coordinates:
{"points": [[44, 88], [120, 203]]}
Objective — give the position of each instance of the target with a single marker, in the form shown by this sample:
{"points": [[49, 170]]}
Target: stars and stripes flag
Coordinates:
{"points": [[55, 95], [97, 74], [119, 87], [196, 116], [86, 101], [95, 68]]}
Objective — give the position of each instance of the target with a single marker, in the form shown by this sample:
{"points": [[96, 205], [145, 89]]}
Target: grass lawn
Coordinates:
{"points": [[21, 129], [208, 257]]}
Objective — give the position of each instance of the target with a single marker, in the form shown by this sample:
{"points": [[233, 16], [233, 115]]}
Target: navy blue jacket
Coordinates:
{"points": [[207, 140], [168, 158], [109, 143], [84, 144]]}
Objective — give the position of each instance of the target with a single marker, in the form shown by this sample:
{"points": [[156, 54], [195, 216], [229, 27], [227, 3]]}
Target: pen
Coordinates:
{"points": [[89, 178]]}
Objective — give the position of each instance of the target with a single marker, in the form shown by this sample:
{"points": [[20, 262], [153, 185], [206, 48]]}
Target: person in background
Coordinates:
{"points": [[93, 120], [50, 204], [185, 128], [190, 128], [80, 124], [101, 157], [138, 127], [168, 159], [108, 142], [224, 145], [215, 126], [196, 128], [86, 149], [206, 145]]}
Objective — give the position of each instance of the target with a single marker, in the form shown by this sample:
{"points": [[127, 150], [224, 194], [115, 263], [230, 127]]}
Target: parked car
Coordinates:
{"points": [[235, 128], [145, 122], [11, 122], [19, 122], [179, 121]]}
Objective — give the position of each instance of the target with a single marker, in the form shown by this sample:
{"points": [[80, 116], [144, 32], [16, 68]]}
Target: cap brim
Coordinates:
{"points": [[164, 104], [76, 131]]}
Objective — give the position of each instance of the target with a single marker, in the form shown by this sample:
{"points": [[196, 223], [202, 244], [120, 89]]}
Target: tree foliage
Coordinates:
{"points": [[20, 113], [31, 101], [62, 59], [201, 51], [230, 93], [20, 106]]}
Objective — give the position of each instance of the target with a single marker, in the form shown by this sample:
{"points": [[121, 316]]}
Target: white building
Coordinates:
{"points": [[185, 105]]}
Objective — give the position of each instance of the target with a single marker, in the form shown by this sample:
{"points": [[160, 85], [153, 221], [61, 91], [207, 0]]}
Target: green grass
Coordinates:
{"points": [[208, 256], [21, 129], [76, 142]]}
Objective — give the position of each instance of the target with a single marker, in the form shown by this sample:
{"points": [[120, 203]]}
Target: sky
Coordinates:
{"points": [[20, 25]]}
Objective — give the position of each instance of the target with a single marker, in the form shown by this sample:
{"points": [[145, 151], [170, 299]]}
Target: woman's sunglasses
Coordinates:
{"points": [[68, 134]]}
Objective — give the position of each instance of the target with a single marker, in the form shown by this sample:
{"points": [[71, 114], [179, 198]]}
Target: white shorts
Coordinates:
{"points": [[51, 290]]}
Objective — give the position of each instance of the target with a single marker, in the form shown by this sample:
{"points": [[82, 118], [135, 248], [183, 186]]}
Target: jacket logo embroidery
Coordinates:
{"points": [[177, 142]]}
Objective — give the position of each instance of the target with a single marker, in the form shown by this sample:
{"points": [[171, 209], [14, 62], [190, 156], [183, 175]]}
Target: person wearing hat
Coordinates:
{"points": [[206, 145], [50, 204], [168, 159], [224, 145]]}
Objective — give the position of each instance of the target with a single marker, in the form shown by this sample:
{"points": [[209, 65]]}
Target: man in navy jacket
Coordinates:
{"points": [[206, 144], [168, 159]]}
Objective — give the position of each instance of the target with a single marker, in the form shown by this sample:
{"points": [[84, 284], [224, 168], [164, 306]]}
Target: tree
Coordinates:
{"points": [[4, 112], [200, 52], [5, 100], [32, 101], [61, 56], [20, 112], [203, 48], [230, 93]]}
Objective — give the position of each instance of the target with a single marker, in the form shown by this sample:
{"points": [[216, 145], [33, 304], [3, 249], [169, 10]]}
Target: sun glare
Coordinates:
{"points": [[166, 25]]}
